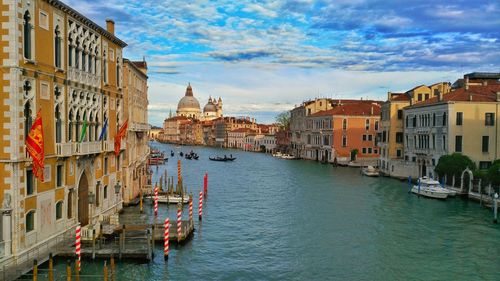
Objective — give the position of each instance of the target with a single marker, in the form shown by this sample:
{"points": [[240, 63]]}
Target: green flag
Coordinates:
{"points": [[84, 131]]}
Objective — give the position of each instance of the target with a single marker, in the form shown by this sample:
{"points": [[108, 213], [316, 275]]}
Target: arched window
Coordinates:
{"points": [[91, 127], [30, 221], [344, 124], [70, 51], [28, 120], [105, 192], [95, 61], [27, 35], [105, 74], [97, 195], [70, 204], [407, 121], [90, 68], [70, 125], [57, 116], [57, 47], [84, 56], [59, 210], [118, 71], [77, 126], [96, 129], [77, 54], [434, 119], [444, 119]]}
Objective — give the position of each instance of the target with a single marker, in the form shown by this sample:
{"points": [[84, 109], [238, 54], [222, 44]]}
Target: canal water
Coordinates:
{"points": [[273, 219]]}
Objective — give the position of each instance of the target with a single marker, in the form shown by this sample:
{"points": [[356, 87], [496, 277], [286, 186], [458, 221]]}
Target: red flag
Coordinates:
{"points": [[121, 133], [34, 146]]}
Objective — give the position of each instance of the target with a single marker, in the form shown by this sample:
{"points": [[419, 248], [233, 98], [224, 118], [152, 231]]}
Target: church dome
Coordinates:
{"points": [[188, 101], [210, 107]]}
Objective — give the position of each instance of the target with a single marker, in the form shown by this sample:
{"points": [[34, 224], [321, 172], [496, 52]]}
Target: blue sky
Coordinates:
{"points": [[264, 57]]}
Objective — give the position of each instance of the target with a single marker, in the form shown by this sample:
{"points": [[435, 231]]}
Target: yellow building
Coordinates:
{"points": [[135, 96], [391, 131], [60, 63], [463, 121]]}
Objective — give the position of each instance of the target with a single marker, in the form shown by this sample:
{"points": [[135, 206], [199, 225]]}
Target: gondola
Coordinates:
{"points": [[181, 154], [222, 159], [196, 156], [171, 153], [189, 157]]}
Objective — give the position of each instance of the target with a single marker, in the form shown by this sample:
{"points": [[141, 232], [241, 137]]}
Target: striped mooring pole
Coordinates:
{"points": [[190, 208], [200, 207], [179, 170], [166, 238], [78, 247], [205, 184], [156, 201], [179, 222]]}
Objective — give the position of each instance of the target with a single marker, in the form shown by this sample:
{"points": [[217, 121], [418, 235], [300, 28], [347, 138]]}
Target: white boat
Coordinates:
{"points": [[370, 171], [277, 154], [172, 199], [430, 188]]}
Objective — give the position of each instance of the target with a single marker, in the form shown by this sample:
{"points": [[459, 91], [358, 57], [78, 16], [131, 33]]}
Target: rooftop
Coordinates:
{"points": [[475, 93]]}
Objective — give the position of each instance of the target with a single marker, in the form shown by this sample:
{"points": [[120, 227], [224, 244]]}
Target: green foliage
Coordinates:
{"points": [[283, 120], [454, 164], [493, 173]]}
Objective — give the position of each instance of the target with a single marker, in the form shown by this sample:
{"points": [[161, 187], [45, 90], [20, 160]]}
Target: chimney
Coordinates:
{"points": [[466, 82], [498, 96], [110, 26], [389, 95], [439, 95], [470, 96], [371, 110]]}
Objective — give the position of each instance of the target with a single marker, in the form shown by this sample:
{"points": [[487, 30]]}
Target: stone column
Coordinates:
{"points": [[7, 231]]}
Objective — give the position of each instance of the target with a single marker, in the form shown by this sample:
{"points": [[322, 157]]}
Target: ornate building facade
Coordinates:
{"points": [[57, 62]]}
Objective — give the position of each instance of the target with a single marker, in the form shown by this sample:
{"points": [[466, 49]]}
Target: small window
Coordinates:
{"points": [[460, 116], [370, 137], [433, 162], [398, 153], [444, 119], [375, 151], [399, 137], [344, 124], [59, 176], [30, 221], [369, 150], [400, 114], [364, 137], [419, 97], [376, 125], [59, 210], [489, 119], [344, 141], [458, 143], [30, 183], [105, 165], [426, 96], [364, 150], [105, 192], [367, 124], [414, 159], [484, 165], [486, 143], [70, 204], [406, 158]]}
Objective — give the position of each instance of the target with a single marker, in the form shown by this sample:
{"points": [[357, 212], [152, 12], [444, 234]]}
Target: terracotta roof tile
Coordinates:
{"points": [[361, 108], [478, 94]]}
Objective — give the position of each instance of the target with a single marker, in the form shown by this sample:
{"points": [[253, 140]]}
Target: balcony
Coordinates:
{"points": [[139, 127], [81, 76], [87, 148], [108, 145], [64, 149]]}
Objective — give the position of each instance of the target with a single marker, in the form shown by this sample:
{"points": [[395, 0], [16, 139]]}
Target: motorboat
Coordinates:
{"points": [[171, 199], [430, 188], [370, 171]]}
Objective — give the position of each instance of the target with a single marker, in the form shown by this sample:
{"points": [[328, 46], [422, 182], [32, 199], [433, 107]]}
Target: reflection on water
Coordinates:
{"points": [[273, 219]]}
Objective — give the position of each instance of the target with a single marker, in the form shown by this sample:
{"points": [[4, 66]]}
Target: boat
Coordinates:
{"points": [[370, 171], [430, 188], [181, 154], [196, 156], [222, 159], [189, 156], [171, 199], [172, 153], [156, 158]]}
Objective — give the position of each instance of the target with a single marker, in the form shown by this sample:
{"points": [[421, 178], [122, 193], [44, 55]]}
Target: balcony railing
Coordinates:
{"points": [[64, 149], [87, 148], [139, 127], [108, 145]]}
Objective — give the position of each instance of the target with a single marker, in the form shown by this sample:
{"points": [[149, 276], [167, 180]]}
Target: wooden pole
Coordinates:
{"points": [[140, 202], [68, 270], [77, 271], [35, 270], [105, 271], [113, 274], [179, 222], [166, 238], [495, 208], [51, 268], [93, 244], [205, 184]]}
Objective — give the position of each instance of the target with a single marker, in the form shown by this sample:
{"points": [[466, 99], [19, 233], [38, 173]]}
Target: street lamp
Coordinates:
{"points": [[117, 191], [91, 202]]}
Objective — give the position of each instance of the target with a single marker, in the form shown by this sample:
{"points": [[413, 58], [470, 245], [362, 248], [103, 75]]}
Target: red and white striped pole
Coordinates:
{"points": [[205, 184], [156, 201], [179, 222], [200, 207], [190, 208], [166, 237], [78, 246]]}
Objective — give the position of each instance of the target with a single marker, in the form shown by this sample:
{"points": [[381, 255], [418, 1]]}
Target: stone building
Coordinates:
{"points": [[58, 62]]}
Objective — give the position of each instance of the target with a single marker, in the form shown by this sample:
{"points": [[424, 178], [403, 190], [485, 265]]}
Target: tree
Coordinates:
{"points": [[454, 164], [493, 173], [283, 120]]}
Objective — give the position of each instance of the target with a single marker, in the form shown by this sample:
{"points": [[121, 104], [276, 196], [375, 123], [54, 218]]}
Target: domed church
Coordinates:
{"points": [[190, 107]]}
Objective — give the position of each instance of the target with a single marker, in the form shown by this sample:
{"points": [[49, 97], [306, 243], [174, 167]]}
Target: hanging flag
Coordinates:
{"points": [[104, 128], [84, 131], [34, 146], [121, 133]]}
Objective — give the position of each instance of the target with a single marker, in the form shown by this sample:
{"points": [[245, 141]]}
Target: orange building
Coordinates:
{"points": [[355, 128]]}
